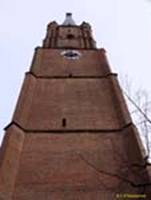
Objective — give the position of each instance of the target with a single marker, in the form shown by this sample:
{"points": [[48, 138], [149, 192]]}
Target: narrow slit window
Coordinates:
{"points": [[64, 123]]}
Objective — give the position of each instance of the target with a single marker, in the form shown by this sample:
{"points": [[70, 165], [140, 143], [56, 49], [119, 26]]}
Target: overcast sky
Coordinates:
{"points": [[122, 27]]}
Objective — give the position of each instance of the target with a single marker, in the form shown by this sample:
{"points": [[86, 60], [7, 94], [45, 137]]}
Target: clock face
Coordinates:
{"points": [[71, 54]]}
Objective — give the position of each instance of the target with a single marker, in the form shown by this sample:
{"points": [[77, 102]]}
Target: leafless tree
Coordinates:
{"points": [[139, 104]]}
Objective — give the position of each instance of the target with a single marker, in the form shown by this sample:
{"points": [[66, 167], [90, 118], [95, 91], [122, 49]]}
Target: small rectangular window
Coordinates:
{"points": [[64, 122]]}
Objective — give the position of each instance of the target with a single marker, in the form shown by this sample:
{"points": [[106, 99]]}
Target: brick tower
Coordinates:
{"points": [[71, 136]]}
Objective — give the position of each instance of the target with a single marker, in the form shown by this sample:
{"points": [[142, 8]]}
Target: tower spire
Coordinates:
{"points": [[69, 20]]}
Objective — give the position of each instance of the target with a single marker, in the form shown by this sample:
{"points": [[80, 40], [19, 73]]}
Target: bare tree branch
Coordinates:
{"points": [[111, 174]]}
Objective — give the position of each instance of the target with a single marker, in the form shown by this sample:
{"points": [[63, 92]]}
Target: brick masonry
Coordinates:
{"points": [[71, 136]]}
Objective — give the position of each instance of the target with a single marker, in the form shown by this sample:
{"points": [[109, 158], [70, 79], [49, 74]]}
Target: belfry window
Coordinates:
{"points": [[70, 36]]}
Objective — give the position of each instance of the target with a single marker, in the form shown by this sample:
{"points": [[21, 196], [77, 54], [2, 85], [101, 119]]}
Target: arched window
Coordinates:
{"points": [[70, 36]]}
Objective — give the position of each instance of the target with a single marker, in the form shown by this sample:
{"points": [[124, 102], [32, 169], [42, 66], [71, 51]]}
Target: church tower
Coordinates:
{"points": [[71, 136]]}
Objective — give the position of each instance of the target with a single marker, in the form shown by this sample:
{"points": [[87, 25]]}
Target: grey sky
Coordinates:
{"points": [[123, 28]]}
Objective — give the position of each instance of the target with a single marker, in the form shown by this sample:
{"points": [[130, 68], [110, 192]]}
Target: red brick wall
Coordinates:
{"points": [[66, 166]]}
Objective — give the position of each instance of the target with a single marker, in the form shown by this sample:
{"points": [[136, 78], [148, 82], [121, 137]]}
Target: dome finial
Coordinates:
{"points": [[69, 20]]}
